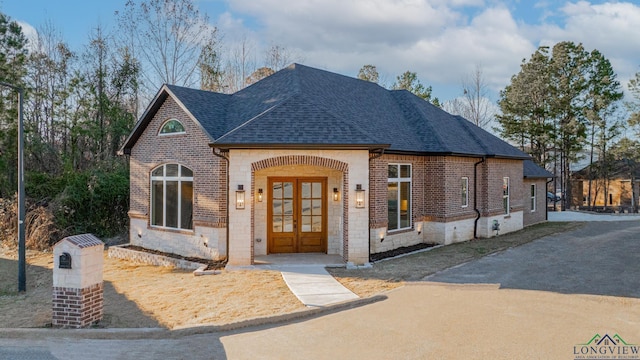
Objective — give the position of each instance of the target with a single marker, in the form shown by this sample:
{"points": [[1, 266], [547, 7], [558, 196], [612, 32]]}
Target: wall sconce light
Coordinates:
{"points": [[259, 195], [419, 228], [382, 236], [240, 197], [359, 196], [336, 194]]}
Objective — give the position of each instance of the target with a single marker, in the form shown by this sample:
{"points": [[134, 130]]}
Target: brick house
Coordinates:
{"points": [[535, 193], [310, 161], [620, 190]]}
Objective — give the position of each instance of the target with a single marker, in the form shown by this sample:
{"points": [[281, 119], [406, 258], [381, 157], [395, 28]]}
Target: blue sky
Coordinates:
{"points": [[441, 40]]}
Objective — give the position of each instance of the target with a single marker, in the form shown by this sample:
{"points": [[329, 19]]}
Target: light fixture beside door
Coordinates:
{"points": [[240, 197], [359, 196]]}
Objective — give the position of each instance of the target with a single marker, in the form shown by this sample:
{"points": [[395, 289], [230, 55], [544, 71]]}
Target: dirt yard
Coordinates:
{"points": [[149, 296]]}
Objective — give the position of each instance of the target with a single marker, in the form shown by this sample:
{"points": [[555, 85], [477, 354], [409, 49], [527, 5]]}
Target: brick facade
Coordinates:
{"points": [[438, 215], [495, 170], [77, 308], [538, 215], [619, 193], [490, 199], [190, 149], [438, 212]]}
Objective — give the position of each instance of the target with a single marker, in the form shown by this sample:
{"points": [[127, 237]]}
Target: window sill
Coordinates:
{"points": [[171, 230], [400, 231]]}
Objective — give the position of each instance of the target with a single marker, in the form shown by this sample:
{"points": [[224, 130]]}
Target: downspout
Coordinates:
{"points": [[475, 196], [546, 211], [369, 242], [219, 154]]}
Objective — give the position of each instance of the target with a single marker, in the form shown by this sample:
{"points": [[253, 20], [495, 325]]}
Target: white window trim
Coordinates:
{"points": [[465, 185], [160, 133], [508, 207], [399, 180], [164, 180], [534, 197]]}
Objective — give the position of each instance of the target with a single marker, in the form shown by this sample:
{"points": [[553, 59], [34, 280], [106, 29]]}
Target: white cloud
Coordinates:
{"points": [[436, 38], [610, 27], [29, 32], [441, 40], [336, 24]]}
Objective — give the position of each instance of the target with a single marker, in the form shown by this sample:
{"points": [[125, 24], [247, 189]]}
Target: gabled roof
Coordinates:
{"points": [[618, 169], [300, 106], [532, 170]]}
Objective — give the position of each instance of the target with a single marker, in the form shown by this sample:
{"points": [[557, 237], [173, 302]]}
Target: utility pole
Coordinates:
{"points": [[22, 277]]}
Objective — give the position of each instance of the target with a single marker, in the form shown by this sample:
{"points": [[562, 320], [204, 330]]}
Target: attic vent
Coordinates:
{"points": [[172, 126]]}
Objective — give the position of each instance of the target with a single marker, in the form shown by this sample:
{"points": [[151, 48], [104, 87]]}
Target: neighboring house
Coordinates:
{"points": [[310, 161], [535, 199], [620, 191]]}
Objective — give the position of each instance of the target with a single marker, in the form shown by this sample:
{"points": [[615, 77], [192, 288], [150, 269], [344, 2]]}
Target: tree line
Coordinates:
{"points": [[80, 105], [566, 104]]}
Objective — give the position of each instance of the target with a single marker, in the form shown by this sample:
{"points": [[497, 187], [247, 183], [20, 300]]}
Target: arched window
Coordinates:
{"points": [[172, 126], [172, 197]]}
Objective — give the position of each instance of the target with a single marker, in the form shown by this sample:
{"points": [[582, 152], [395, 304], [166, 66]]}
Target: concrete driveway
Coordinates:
{"points": [[602, 258], [584, 216]]}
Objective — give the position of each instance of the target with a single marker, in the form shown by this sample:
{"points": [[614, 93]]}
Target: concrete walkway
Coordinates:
{"points": [[306, 277], [314, 286], [584, 216]]}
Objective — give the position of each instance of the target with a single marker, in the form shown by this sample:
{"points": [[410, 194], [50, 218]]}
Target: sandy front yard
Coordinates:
{"points": [[149, 296]]}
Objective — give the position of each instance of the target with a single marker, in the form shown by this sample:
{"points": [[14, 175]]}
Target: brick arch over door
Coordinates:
{"points": [[311, 161]]}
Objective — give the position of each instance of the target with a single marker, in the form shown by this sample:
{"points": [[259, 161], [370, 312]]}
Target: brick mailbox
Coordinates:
{"points": [[77, 281]]}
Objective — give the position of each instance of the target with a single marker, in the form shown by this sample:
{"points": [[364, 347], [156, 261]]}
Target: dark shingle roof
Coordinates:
{"points": [[206, 106], [531, 170], [618, 169], [300, 105]]}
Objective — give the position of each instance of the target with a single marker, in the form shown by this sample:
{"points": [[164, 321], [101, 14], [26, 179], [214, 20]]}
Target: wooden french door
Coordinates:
{"points": [[297, 215]]}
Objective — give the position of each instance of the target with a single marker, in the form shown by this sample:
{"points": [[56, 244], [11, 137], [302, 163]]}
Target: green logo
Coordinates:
{"points": [[606, 347]]}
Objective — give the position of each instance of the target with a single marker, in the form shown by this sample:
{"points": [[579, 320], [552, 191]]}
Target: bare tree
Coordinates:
{"points": [[169, 35], [240, 64], [475, 103], [278, 57]]}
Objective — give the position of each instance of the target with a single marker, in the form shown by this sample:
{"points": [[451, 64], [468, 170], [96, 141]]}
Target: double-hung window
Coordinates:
{"points": [[465, 191], [172, 197], [399, 196], [533, 197], [505, 194]]}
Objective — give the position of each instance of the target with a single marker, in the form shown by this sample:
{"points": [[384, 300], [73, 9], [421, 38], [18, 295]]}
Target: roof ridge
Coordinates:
{"points": [[467, 126], [414, 98], [237, 128]]}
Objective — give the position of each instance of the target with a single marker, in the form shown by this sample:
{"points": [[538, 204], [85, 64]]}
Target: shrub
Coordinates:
{"points": [[92, 201]]}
